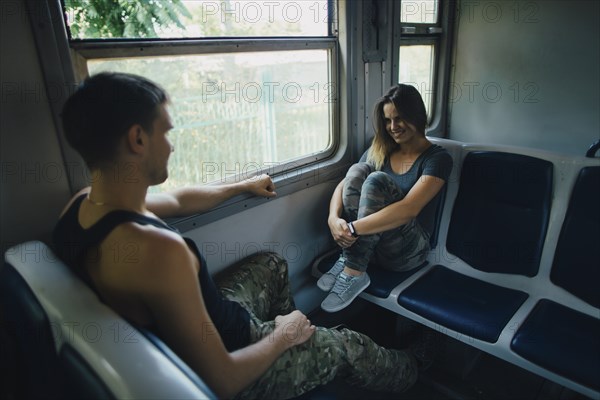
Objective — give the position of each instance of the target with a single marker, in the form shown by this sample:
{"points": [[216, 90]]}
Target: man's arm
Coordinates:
{"points": [[173, 295], [196, 199]]}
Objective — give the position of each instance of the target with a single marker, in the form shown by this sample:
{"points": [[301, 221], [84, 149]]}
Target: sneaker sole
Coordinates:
{"points": [[347, 303]]}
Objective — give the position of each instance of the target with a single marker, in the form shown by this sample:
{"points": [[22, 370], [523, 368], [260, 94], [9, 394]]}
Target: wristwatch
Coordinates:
{"points": [[352, 230]]}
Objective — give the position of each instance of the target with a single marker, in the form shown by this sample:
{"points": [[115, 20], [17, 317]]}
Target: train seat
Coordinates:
{"points": [[83, 382], [514, 273], [552, 326], [470, 306], [498, 225], [501, 212], [575, 267], [118, 359], [563, 341], [31, 332]]}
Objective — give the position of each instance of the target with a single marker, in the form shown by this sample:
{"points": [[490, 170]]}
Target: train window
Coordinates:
{"points": [[421, 30], [259, 112], [417, 67], [251, 84], [105, 19]]}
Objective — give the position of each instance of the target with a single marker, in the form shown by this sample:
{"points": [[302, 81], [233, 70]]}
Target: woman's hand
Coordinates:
{"points": [[293, 329], [340, 232]]}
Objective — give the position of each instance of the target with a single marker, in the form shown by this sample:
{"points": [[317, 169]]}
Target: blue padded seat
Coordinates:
{"points": [[472, 307], [384, 281], [576, 266], [62, 298], [82, 381], [26, 320], [563, 341], [500, 216], [154, 339]]}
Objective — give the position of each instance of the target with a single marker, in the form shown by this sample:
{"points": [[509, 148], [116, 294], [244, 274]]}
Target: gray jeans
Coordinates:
{"points": [[366, 192]]}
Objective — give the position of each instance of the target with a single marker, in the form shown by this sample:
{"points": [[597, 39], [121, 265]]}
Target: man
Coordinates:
{"points": [[245, 340]]}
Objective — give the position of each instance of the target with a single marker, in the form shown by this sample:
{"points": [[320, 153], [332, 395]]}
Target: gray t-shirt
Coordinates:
{"points": [[434, 161]]}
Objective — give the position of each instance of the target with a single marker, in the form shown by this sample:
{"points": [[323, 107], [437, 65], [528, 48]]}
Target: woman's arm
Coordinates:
{"points": [[403, 211], [337, 225], [195, 199]]}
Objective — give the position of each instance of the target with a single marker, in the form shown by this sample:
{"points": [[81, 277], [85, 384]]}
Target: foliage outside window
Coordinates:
{"points": [[109, 19]]}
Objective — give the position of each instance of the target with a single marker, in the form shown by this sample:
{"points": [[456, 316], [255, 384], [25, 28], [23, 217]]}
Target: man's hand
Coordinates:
{"points": [[340, 232], [261, 185], [293, 329]]}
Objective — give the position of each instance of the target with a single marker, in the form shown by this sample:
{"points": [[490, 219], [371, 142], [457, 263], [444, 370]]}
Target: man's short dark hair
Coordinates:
{"points": [[102, 110]]}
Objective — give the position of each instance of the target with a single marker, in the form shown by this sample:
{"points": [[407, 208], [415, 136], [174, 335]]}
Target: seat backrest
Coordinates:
{"points": [[28, 327], [500, 216], [575, 267], [124, 360], [84, 383]]}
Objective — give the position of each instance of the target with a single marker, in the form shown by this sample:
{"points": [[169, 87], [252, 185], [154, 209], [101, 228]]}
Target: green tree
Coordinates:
{"points": [[96, 19]]}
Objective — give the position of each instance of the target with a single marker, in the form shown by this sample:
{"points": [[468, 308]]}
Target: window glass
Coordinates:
{"points": [[419, 11], [106, 19], [238, 113], [417, 69]]}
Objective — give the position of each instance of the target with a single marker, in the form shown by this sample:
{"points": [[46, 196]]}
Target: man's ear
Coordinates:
{"points": [[136, 139]]}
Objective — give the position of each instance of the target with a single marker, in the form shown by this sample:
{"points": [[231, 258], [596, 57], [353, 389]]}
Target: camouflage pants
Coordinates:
{"points": [[366, 192], [261, 285]]}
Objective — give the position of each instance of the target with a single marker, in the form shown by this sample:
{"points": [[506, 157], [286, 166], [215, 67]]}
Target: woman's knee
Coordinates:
{"points": [[359, 170], [379, 178], [380, 182]]}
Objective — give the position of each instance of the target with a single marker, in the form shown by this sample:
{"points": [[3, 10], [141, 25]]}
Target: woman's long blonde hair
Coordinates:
{"points": [[410, 107]]}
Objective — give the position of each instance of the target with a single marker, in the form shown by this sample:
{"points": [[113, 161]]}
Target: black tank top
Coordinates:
{"points": [[71, 243]]}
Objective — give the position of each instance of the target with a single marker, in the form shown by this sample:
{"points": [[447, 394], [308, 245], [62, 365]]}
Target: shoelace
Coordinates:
{"points": [[342, 284], [337, 267]]}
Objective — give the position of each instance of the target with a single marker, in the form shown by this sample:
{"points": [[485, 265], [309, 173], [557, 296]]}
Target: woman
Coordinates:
{"points": [[372, 214]]}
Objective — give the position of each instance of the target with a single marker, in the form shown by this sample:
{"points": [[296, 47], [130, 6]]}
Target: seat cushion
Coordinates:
{"points": [[472, 307], [563, 341]]}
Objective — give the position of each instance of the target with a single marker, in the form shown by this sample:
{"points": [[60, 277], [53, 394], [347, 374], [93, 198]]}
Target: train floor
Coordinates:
{"points": [[459, 371]]}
